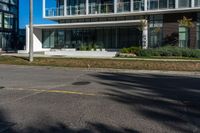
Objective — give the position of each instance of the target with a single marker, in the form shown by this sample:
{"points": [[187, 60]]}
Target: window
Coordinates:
{"points": [[183, 37], [198, 31], [161, 4], [123, 5], [138, 5], [184, 3], [4, 7], [45, 39], [197, 3], [153, 4], [8, 21], [155, 30], [0, 19], [14, 2]]}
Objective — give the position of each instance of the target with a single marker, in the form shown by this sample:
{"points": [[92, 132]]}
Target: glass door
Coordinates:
{"points": [[61, 39]]}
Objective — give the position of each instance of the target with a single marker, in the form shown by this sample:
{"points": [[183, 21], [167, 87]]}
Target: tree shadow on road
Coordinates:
{"points": [[59, 127], [173, 101]]}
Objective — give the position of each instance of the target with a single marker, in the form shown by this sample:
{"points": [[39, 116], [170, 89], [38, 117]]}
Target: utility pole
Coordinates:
{"points": [[31, 31]]}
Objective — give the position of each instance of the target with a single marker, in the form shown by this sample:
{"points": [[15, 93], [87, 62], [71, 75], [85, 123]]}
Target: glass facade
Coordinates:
{"points": [[109, 38], [80, 7], [8, 24], [155, 31], [183, 37], [161, 4], [198, 31], [184, 3]]}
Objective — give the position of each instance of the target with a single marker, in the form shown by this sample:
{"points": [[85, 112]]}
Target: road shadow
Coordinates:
{"points": [[58, 127], [173, 101]]}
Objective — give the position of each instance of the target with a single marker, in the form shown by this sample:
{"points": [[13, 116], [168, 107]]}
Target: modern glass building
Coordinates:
{"points": [[115, 24], [8, 24]]}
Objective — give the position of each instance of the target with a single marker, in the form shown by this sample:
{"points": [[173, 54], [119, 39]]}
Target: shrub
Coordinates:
{"points": [[164, 51], [89, 47], [132, 50], [145, 53], [195, 53], [83, 47], [94, 47]]}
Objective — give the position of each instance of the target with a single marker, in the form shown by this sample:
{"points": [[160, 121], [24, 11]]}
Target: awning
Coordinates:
{"points": [[89, 24]]}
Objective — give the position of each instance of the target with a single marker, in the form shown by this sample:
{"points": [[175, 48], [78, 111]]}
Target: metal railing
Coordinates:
{"points": [[55, 11], [138, 6], [123, 7], [76, 10], [101, 8], [106, 8]]}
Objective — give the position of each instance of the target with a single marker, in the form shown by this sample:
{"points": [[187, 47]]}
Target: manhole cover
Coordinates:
{"points": [[2, 87], [81, 83]]}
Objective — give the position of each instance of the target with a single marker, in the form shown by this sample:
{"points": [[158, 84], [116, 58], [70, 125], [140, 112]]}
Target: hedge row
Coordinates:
{"points": [[163, 51]]}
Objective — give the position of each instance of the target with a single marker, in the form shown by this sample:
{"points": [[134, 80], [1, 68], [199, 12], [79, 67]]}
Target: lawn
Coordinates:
{"points": [[105, 63]]}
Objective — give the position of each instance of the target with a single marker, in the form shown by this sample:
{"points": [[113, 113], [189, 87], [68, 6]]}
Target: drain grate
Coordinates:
{"points": [[81, 83], [2, 87]]}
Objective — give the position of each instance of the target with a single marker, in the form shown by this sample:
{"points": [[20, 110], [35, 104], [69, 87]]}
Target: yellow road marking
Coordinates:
{"points": [[58, 91]]}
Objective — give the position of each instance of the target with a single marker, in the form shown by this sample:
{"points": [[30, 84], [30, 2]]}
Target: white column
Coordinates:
{"points": [[65, 7], [87, 7], [131, 5], [145, 36], [44, 8], [115, 6], [192, 3], [176, 3], [27, 38], [145, 5]]}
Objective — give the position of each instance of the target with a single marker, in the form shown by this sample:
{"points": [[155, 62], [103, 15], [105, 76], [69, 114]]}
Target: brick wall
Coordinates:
{"points": [[170, 28]]}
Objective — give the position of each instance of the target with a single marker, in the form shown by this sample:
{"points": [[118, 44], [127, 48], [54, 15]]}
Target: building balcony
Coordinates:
{"points": [[133, 6]]}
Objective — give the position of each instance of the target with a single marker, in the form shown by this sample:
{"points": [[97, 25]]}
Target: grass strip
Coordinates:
{"points": [[105, 63]]}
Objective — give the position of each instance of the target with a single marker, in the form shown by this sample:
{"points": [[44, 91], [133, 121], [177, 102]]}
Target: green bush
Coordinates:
{"points": [[163, 51], [131, 50], [83, 47], [195, 54], [94, 47], [145, 53], [89, 47]]}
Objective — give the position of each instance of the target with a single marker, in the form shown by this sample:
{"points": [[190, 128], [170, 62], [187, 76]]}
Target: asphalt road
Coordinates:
{"points": [[61, 100]]}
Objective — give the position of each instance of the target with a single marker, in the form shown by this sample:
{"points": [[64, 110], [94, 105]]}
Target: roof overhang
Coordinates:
{"points": [[89, 24]]}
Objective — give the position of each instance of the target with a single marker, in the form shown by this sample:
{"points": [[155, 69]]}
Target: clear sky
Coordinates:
{"points": [[24, 13]]}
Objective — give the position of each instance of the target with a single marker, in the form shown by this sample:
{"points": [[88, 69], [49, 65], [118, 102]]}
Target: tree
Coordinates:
{"points": [[142, 26], [186, 22]]}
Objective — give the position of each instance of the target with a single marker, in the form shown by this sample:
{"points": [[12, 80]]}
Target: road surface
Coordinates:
{"points": [[63, 100]]}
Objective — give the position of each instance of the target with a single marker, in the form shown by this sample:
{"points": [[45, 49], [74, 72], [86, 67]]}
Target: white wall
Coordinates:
{"points": [[37, 40]]}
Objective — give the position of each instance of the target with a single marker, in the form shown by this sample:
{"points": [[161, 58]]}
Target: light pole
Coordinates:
{"points": [[31, 31]]}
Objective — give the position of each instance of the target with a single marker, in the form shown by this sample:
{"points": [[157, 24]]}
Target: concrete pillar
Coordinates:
{"points": [[176, 3], [65, 7], [115, 6], [27, 38], [44, 8], [131, 5], [192, 3], [87, 7], [145, 36], [145, 5]]}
